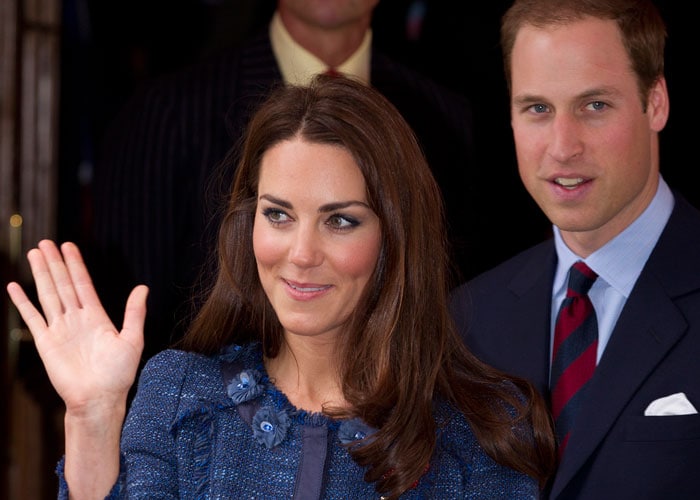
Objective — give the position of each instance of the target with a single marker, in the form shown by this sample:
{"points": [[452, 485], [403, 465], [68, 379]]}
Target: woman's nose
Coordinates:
{"points": [[306, 249]]}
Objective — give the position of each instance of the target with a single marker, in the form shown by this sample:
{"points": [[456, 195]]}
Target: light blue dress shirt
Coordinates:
{"points": [[618, 263]]}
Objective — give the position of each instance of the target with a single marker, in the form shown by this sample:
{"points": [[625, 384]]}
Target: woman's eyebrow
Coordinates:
{"points": [[328, 207]]}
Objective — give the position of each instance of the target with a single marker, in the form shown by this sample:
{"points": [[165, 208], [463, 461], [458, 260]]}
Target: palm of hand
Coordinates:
{"points": [[89, 362]]}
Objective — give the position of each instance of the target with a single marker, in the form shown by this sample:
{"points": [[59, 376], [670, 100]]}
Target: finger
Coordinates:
{"points": [[45, 287], [135, 316], [30, 314], [79, 276], [59, 273]]}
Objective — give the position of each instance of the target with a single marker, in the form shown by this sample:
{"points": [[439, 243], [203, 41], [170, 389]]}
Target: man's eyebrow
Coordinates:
{"points": [[605, 91], [528, 99]]}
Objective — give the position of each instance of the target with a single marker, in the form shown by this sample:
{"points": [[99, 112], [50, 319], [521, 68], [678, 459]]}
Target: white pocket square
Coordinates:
{"points": [[675, 404]]}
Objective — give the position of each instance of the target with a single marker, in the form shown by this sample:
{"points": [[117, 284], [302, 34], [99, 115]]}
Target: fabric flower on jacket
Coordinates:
{"points": [[270, 427], [352, 431], [245, 386]]}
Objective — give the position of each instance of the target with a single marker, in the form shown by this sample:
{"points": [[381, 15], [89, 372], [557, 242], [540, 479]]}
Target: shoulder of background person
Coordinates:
{"points": [[252, 60], [222, 81]]}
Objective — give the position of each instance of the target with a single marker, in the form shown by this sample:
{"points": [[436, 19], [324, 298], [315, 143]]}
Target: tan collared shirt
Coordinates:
{"points": [[298, 65]]}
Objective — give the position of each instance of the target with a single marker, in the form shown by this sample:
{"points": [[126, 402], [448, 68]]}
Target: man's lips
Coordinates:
{"points": [[569, 182]]}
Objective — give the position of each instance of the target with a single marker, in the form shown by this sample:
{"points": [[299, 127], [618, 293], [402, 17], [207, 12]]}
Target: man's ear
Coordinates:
{"points": [[658, 105]]}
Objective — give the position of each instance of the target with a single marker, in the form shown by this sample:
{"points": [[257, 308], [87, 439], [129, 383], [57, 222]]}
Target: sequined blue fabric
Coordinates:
{"points": [[185, 438]]}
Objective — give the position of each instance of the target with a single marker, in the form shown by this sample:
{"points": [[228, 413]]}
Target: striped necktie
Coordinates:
{"points": [[574, 353]]}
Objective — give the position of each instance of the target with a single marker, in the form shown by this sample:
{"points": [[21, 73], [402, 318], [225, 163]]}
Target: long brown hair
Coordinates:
{"points": [[400, 352]]}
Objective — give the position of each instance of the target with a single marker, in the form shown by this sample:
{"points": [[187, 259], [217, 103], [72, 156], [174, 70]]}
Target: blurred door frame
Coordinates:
{"points": [[30, 425]]}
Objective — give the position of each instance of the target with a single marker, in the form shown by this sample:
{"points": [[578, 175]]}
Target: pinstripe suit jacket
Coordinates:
{"points": [[157, 187], [614, 452]]}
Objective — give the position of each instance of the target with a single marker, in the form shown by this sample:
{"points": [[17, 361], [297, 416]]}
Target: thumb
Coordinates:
{"points": [[135, 316]]}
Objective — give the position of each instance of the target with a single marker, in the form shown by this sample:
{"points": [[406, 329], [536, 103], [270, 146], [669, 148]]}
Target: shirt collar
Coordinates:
{"points": [[620, 261], [298, 65]]}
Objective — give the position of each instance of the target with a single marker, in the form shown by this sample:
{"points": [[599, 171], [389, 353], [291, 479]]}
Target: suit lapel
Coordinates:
{"points": [[529, 349], [636, 346], [254, 74], [650, 324]]}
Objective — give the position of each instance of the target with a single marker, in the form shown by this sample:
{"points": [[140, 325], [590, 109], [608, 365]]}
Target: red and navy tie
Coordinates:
{"points": [[574, 353]]}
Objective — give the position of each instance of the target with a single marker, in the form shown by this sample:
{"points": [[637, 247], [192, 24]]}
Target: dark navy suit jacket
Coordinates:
{"points": [[158, 186], [614, 452]]}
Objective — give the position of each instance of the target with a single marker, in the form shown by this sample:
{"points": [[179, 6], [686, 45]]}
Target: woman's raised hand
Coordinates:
{"points": [[90, 363]]}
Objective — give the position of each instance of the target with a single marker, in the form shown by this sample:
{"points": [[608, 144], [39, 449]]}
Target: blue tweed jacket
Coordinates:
{"points": [[215, 427]]}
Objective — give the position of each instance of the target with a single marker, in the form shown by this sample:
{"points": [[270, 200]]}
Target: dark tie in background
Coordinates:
{"points": [[574, 352]]}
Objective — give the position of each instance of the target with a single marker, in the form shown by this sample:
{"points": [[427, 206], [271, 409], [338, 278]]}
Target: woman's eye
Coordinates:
{"points": [[275, 216], [341, 222]]}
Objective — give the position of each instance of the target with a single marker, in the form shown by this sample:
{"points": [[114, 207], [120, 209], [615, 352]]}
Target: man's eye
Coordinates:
{"points": [[539, 108], [597, 105]]}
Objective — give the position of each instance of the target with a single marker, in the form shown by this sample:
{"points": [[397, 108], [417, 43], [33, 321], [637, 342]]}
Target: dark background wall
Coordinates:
{"points": [[110, 48]]}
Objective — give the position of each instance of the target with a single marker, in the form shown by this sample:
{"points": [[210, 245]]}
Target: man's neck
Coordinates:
{"points": [[332, 46]]}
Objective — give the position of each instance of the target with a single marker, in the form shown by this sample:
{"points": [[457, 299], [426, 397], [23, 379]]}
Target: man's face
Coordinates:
{"points": [[329, 14], [587, 152]]}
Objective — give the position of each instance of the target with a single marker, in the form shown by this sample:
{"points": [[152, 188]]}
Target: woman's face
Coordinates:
{"points": [[315, 238]]}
